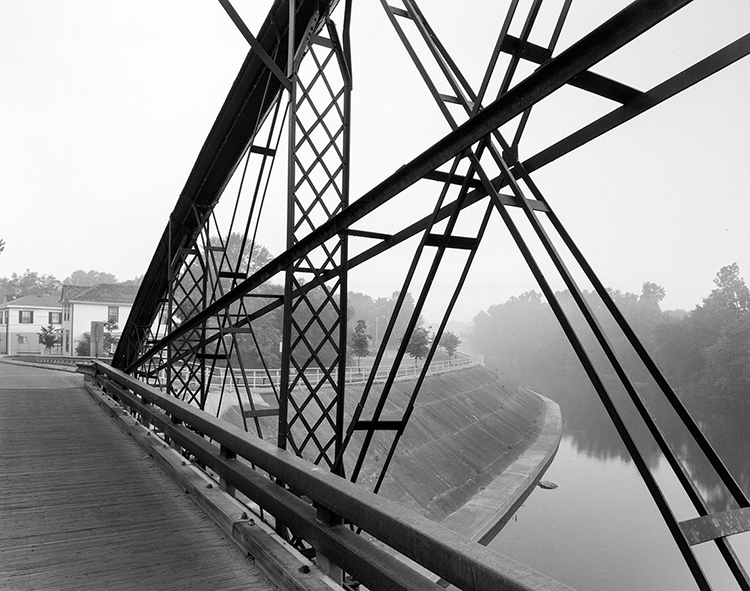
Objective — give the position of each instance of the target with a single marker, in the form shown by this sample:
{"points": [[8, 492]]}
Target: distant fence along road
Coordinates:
{"points": [[260, 378]]}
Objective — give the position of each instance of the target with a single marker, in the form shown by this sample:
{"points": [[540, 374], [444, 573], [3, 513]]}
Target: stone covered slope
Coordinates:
{"points": [[467, 427]]}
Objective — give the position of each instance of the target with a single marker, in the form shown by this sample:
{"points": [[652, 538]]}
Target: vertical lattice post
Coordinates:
{"points": [[314, 336]]}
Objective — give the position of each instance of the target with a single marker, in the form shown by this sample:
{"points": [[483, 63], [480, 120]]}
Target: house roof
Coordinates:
{"points": [[110, 293], [35, 301], [70, 292]]}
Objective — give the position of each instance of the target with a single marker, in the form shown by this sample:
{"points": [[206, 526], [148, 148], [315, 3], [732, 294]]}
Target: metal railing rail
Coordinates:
{"points": [[261, 378], [217, 444], [52, 359]]}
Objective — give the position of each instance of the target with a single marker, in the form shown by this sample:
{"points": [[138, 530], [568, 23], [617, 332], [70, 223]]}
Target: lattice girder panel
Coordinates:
{"points": [[314, 340]]}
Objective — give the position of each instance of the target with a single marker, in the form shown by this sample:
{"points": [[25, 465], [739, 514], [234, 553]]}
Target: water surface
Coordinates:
{"points": [[600, 529]]}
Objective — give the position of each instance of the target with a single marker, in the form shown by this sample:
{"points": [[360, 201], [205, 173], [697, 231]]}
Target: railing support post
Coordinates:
{"points": [[326, 566], [175, 446], [227, 454], [144, 418]]}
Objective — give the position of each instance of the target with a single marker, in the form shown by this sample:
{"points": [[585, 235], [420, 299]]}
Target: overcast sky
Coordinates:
{"points": [[104, 107]]}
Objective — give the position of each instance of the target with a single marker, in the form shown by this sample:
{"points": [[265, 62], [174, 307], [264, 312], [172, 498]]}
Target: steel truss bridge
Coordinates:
{"points": [[203, 316]]}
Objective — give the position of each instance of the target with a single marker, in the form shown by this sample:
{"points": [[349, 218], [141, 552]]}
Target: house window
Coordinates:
{"points": [[2, 317], [26, 317], [23, 340], [113, 314], [55, 318], [66, 312], [67, 341]]}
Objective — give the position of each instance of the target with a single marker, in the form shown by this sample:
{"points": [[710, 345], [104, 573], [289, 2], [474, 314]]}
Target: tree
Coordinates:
{"points": [[652, 293], [48, 337], [721, 326], [83, 347], [728, 361], [450, 342], [262, 346], [360, 341], [402, 320], [707, 352], [109, 341], [377, 313], [522, 338], [240, 255], [89, 278], [137, 280], [419, 343], [2, 245], [30, 283], [731, 296]]}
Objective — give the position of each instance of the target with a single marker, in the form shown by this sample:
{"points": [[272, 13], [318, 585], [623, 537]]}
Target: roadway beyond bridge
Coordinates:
{"points": [[83, 507]]}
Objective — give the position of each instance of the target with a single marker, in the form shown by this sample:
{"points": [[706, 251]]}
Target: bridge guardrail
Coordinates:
{"points": [[457, 560]]}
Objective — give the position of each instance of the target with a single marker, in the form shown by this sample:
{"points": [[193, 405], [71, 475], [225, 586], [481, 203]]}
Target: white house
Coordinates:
{"points": [[82, 305], [22, 319]]}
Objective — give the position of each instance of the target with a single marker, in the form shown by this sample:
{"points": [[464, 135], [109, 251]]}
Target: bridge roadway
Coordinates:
{"points": [[83, 507]]}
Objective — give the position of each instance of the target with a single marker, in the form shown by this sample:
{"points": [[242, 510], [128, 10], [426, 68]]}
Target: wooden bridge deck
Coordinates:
{"points": [[83, 507]]}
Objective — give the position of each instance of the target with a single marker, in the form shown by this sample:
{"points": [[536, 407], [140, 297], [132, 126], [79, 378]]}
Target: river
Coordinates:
{"points": [[600, 529]]}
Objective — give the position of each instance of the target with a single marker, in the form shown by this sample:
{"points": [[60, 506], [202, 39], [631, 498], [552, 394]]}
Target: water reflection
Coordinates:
{"points": [[593, 434], [600, 529]]}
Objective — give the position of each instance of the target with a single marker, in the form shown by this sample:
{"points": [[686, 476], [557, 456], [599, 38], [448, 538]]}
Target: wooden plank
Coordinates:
{"points": [[82, 506], [285, 567]]}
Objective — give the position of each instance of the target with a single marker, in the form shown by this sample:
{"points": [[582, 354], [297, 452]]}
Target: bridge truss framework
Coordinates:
{"points": [[208, 299]]}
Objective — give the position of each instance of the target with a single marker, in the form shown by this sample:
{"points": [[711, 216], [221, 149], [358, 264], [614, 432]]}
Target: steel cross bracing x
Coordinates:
{"points": [[627, 25], [202, 317], [503, 155]]}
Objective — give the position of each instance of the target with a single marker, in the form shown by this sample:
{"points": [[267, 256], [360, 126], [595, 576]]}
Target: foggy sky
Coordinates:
{"points": [[105, 106]]}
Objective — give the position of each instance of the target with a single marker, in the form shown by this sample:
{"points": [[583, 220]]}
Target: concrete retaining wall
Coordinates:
{"points": [[468, 428]]}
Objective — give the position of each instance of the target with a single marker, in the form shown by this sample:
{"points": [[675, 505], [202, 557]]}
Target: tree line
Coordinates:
{"points": [[417, 348], [704, 353], [34, 283]]}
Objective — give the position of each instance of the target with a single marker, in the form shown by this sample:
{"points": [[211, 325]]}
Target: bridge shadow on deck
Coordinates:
{"points": [[82, 506]]}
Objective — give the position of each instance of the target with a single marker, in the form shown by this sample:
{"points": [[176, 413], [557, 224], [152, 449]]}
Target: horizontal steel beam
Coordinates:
{"points": [[589, 81], [640, 104], [717, 525], [622, 28]]}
